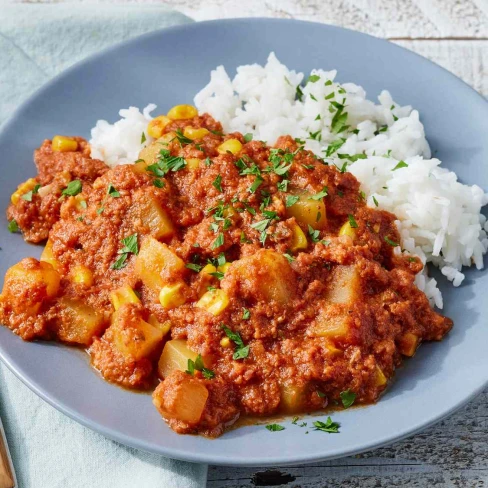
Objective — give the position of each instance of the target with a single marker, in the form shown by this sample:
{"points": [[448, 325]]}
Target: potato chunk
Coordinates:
{"points": [[133, 337], [308, 211], [331, 326], [345, 285], [28, 283], [265, 274], [175, 357], [182, 400], [79, 322], [156, 263], [154, 216], [292, 397]]}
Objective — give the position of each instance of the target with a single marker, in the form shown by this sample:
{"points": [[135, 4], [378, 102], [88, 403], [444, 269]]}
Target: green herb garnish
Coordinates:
{"points": [[73, 188], [275, 427], [329, 426], [241, 351], [347, 397]]}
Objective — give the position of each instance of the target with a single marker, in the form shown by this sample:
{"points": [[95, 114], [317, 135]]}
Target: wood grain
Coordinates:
{"points": [[6, 477], [454, 34]]}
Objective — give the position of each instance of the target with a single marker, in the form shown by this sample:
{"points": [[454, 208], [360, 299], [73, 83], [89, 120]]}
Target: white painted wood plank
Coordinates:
{"points": [[384, 18]]}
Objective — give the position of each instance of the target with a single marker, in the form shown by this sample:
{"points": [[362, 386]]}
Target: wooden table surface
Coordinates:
{"points": [[454, 34]]}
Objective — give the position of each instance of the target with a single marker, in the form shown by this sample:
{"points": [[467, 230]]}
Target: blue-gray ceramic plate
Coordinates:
{"points": [[168, 67]]}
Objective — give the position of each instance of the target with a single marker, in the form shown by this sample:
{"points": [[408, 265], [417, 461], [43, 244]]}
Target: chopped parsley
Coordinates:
{"points": [[289, 257], [321, 394], [246, 314], [275, 427], [73, 188], [338, 123], [401, 164], [321, 194], [291, 200], [299, 93], [352, 221], [334, 146], [166, 163], [241, 351], [218, 242], [217, 274], [181, 138], [248, 137], [329, 426], [194, 267], [313, 78], [158, 183], [257, 183], [112, 191], [375, 201], [283, 185], [13, 226], [197, 365], [217, 183], [392, 243], [130, 246], [347, 398], [328, 83], [143, 138], [313, 233]]}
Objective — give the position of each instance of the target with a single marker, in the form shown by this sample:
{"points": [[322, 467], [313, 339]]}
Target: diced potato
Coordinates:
{"points": [[408, 343], [133, 337], [82, 275], [214, 301], [333, 349], [347, 230], [331, 327], [187, 401], [292, 397], [156, 126], [22, 189], [181, 112], [299, 239], [266, 272], [153, 215], [194, 134], [32, 282], [164, 327], [155, 263], [172, 296], [79, 322], [380, 378], [308, 211], [64, 144], [233, 146], [48, 256], [140, 167], [123, 295], [175, 356], [344, 286]]}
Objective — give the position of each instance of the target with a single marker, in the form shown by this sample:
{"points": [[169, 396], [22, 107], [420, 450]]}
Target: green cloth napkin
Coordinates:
{"points": [[48, 449]]}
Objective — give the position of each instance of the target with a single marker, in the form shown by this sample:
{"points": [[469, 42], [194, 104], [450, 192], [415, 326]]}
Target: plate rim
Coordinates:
{"points": [[203, 457]]}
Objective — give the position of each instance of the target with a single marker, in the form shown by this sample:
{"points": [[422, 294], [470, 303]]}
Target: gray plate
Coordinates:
{"points": [[168, 67]]}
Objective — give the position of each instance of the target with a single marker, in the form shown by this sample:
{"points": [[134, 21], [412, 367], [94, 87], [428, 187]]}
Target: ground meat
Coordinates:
{"points": [[314, 304]]}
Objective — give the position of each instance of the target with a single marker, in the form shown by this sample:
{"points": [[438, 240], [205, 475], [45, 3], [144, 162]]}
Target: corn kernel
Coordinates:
{"points": [[224, 268], [22, 189], [121, 296], [299, 239], [64, 144], [192, 163], [347, 230], [225, 342], [380, 378], [194, 134], [82, 275], [156, 126], [333, 349], [164, 327], [214, 301], [180, 112], [408, 344], [233, 146], [172, 296]]}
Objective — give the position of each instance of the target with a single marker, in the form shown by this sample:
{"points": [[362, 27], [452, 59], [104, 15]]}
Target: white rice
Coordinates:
{"points": [[439, 218]]}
